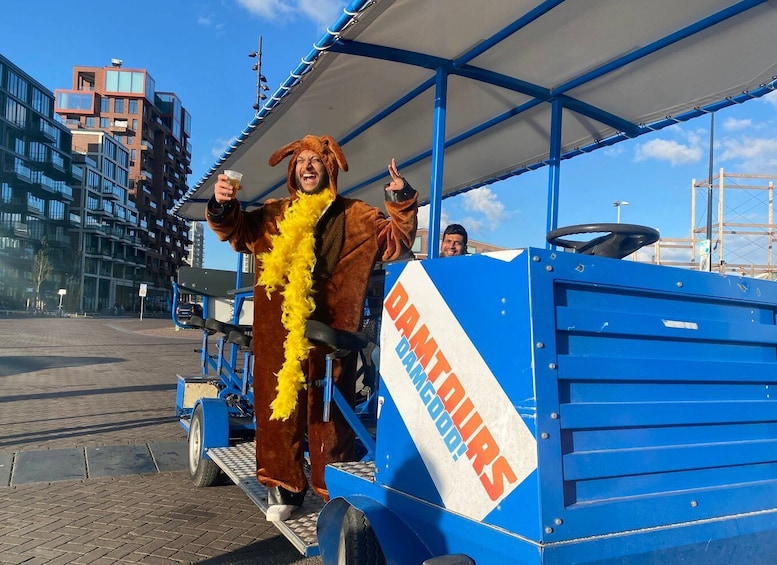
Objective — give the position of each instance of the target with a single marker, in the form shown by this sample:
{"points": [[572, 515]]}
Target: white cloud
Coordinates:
{"points": [[770, 98], [484, 200], [733, 124], [751, 154], [322, 12], [669, 150], [613, 151], [220, 145], [423, 218], [209, 21], [474, 226]]}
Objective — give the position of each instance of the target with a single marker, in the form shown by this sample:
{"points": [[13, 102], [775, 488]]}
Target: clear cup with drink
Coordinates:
{"points": [[234, 178]]}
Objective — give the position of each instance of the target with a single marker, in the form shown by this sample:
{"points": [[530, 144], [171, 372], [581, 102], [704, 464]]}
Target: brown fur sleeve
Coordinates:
{"points": [[248, 232], [397, 233]]}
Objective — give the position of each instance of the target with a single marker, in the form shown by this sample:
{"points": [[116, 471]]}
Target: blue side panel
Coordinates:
{"points": [[397, 462], [655, 391]]}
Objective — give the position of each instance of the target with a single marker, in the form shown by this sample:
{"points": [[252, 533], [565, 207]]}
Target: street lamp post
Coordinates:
{"points": [[618, 204], [261, 81]]}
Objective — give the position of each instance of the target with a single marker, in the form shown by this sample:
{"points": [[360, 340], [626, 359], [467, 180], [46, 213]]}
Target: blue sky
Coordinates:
{"points": [[199, 51]]}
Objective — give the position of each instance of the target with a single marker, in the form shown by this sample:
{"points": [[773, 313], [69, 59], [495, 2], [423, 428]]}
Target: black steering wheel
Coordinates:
{"points": [[619, 240]]}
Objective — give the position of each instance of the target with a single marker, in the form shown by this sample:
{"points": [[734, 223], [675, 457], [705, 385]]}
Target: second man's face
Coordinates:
{"points": [[310, 172], [452, 245]]}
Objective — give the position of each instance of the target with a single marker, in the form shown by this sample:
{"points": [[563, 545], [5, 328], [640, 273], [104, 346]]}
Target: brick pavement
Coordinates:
{"points": [[84, 383]]}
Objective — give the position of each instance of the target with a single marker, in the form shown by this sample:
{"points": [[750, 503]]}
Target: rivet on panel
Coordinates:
{"points": [[540, 345]]}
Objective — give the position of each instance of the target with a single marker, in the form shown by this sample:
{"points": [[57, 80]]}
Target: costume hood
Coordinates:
{"points": [[326, 148]]}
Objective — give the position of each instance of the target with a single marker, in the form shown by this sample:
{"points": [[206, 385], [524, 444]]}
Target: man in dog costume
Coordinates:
{"points": [[314, 254]]}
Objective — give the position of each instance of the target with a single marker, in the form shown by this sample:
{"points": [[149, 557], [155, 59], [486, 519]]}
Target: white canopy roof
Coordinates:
{"points": [[498, 71]]}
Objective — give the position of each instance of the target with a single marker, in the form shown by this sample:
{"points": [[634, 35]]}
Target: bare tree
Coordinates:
{"points": [[41, 269]]}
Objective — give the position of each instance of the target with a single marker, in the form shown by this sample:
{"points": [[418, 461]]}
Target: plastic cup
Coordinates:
{"points": [[235, 178]]}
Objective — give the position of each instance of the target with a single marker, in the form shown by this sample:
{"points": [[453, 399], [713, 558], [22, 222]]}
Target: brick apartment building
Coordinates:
{"points": [[155, 128]]}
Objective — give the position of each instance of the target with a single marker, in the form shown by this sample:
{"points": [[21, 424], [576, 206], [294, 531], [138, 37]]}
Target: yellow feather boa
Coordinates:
{"points": [[289, 264]]}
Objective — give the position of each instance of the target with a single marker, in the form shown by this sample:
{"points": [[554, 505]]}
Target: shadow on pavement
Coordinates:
{"points": [[265, 552], [13, 365]]}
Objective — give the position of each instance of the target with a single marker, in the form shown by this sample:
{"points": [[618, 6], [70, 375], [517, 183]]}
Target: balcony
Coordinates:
{"points": [[59, 167], [120, 126], [13, 254], [22, 171], [78, 174], [19, 229], [59, 239], [40, 129]]}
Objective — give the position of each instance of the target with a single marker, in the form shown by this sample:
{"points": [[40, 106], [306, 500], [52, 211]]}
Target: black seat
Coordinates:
{"points": [[340, 340]]}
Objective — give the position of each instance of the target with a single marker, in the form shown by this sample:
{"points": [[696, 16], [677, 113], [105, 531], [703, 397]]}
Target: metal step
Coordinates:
{"points": [[239, 463]]}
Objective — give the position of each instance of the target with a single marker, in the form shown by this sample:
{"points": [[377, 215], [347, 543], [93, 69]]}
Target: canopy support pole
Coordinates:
{"points": [[438, 150], [554, 165]]}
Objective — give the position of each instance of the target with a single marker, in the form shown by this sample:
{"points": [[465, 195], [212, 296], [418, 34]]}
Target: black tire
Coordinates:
{"points": [[203, 472], [358, 543]]}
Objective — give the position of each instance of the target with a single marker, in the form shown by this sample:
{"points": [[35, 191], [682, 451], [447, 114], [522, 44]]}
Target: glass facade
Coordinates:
{"points": [[125, 81], [35, 192], [75, 101]]}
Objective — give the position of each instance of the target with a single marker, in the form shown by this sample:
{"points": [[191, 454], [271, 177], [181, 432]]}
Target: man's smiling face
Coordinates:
{"points": [[310, 172]]}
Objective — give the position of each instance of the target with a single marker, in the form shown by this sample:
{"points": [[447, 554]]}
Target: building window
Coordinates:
{"points": [[17, 86], [133, 106], [90, 121], [92, 179], [6, 193], [35, 203], [105, 122], [105, 104], [38, 152], [36, 228], [118, 105], [15, 112], [41, 102], [124, 81], [75, 101], [56, 210], [110, 149]]}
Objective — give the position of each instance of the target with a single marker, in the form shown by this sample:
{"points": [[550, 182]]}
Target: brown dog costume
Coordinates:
{"points": [[350, 237]]}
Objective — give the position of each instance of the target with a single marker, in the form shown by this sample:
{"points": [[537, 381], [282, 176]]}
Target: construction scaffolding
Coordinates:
{"points": [[742, 228]]}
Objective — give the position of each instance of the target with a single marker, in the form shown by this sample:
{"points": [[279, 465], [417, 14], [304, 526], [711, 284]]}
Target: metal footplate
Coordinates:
{"points": [[361, 469], [239, 463]]}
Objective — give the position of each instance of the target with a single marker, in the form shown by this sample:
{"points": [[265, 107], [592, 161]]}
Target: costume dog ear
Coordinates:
{"points": [[284, 152], [334, 147]]}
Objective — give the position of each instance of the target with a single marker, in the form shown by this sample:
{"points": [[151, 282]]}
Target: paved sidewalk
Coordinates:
{"points": [[92, 458]]}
